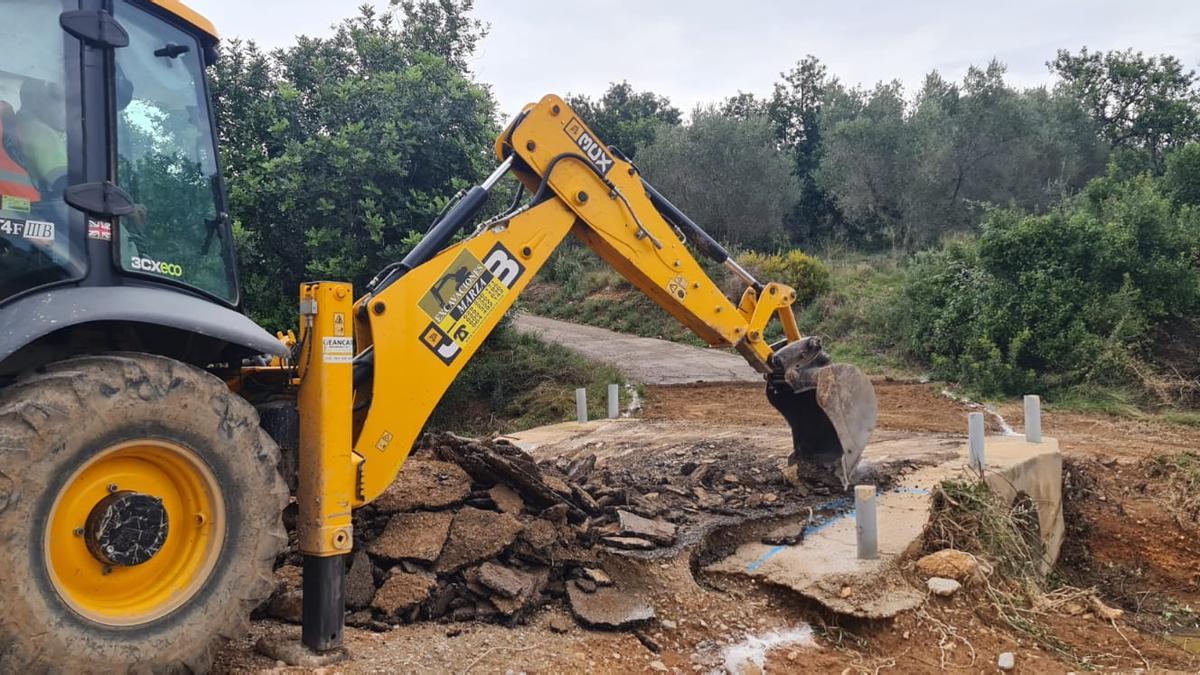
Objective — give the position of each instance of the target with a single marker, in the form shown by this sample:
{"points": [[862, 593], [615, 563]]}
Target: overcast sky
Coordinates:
{"points": [[696, 51]]}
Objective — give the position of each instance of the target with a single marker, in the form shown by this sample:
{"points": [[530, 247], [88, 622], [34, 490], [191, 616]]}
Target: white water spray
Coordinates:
{"points": [[754, 649]]}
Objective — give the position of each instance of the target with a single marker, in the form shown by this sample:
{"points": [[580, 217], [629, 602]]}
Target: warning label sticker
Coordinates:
{"points": [[338, 350], [11, 203], [465, 295], [678, 287]]}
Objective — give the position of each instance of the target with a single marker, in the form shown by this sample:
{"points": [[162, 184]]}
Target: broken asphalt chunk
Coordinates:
{"points": [[608, 608], [658, 531]]}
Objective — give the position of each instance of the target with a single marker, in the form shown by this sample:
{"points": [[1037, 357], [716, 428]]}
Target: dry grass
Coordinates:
{"points": [[1180, 481], [967, 516]]}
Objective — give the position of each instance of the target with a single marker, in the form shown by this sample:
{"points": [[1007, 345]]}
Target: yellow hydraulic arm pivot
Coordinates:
{"points": [[422, 319]]}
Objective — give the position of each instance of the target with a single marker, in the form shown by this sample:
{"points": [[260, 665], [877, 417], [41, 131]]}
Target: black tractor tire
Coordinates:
{"points": [[52, 421]]}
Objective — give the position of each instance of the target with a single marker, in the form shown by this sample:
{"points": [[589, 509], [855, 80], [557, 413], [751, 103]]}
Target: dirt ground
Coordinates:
{"points": [[1129, 536], [920, 407]]}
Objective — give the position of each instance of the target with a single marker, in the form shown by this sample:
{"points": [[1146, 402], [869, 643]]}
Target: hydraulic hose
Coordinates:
{"points": [[706, 244]]}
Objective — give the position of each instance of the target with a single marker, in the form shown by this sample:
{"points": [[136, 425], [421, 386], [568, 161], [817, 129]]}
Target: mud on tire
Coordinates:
{"points": [[50, 423]]}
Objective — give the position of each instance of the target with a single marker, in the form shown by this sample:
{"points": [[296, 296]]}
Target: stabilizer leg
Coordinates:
{"points": [[324, 602]]}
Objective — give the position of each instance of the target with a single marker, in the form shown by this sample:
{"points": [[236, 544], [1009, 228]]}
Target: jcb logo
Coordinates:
{"points": [[155, 267], [590, 146]]}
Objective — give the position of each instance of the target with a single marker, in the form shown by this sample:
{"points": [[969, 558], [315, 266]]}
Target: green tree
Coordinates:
{"points": [[1146, 104], [727, 174], [1182, 177], [744, 105], [441, 27], [908, 174], [794, 109], [339, 150], [867, 162], [625, 118], [985, 142]]}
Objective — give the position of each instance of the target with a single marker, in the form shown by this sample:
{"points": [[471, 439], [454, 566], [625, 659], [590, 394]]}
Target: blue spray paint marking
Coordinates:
{"points": [[765, 557], [813, 529], [833, 504]]}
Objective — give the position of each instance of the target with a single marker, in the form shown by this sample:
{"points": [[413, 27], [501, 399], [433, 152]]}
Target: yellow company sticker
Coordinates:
{"points": [[338, 350], [463, 298]]}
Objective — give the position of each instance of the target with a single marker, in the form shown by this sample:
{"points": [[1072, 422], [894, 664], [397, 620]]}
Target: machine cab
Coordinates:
{"points": [[108, 162]]}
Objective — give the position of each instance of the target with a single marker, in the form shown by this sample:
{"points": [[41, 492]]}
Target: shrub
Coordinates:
{"points": [[1042, 302], [806, 274]]}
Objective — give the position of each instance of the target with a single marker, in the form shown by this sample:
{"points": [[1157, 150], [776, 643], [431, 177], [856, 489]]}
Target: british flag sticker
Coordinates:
{"points": [[100, 229]]}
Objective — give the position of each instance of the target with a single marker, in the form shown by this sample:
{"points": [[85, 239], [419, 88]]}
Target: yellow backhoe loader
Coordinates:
{"points": [[140, 496]]}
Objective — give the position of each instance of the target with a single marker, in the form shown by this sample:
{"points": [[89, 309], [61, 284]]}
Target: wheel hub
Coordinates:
{"points": [[126, 528], [134, 532]]}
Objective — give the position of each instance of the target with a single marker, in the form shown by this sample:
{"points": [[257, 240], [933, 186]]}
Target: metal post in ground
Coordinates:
{"points": [[975, 437], [865, 524], [1033, 418], [614, 401], [581, 405]]}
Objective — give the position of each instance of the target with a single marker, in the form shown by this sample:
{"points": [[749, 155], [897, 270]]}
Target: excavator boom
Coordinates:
{"points": [[372, 369]]}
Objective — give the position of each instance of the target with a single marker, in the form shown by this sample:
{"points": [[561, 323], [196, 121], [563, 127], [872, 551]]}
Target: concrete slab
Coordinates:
{"points": [[1017, 469], [825, 566], [611, 439]]}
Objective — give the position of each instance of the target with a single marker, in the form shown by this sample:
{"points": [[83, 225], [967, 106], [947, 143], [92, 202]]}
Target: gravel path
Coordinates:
{"points": [[642, 360]]}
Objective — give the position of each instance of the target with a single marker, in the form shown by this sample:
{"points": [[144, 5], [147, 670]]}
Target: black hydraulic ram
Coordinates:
{"points": [[706, 244], [445, 229], [438, 238], [323, 604]]}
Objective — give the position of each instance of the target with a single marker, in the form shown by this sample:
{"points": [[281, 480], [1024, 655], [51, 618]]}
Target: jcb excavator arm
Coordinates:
{"points": [[372, 370]]}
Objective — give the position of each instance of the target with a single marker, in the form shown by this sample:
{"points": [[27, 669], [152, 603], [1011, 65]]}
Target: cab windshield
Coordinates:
{"points": [[37, 243], [166, 159]]}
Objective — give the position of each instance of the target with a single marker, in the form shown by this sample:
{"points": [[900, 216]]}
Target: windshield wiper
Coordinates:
{"points": [[172, 51]]}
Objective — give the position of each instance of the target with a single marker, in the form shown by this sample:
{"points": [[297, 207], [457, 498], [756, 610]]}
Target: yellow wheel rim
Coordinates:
{"points": [[127, 596]]}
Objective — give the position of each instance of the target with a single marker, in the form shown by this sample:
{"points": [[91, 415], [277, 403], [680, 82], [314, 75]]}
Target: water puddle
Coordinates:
{"points": [[751, 653], [1187, 641]]}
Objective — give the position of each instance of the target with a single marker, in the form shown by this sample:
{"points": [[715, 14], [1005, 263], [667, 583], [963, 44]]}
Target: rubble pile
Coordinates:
{"points": [[477, 530]]}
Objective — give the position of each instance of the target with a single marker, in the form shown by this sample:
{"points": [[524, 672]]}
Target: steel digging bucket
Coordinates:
{"points": [[831, 408]]}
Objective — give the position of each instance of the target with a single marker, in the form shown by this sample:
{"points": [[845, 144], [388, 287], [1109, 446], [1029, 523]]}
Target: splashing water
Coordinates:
{"points": [[991, 410], [753, 650], [988, 408], [635, 401]]}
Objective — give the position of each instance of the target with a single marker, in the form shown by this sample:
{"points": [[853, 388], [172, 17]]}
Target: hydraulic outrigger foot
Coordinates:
{"points": [[322, 614], [324, 602]]}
